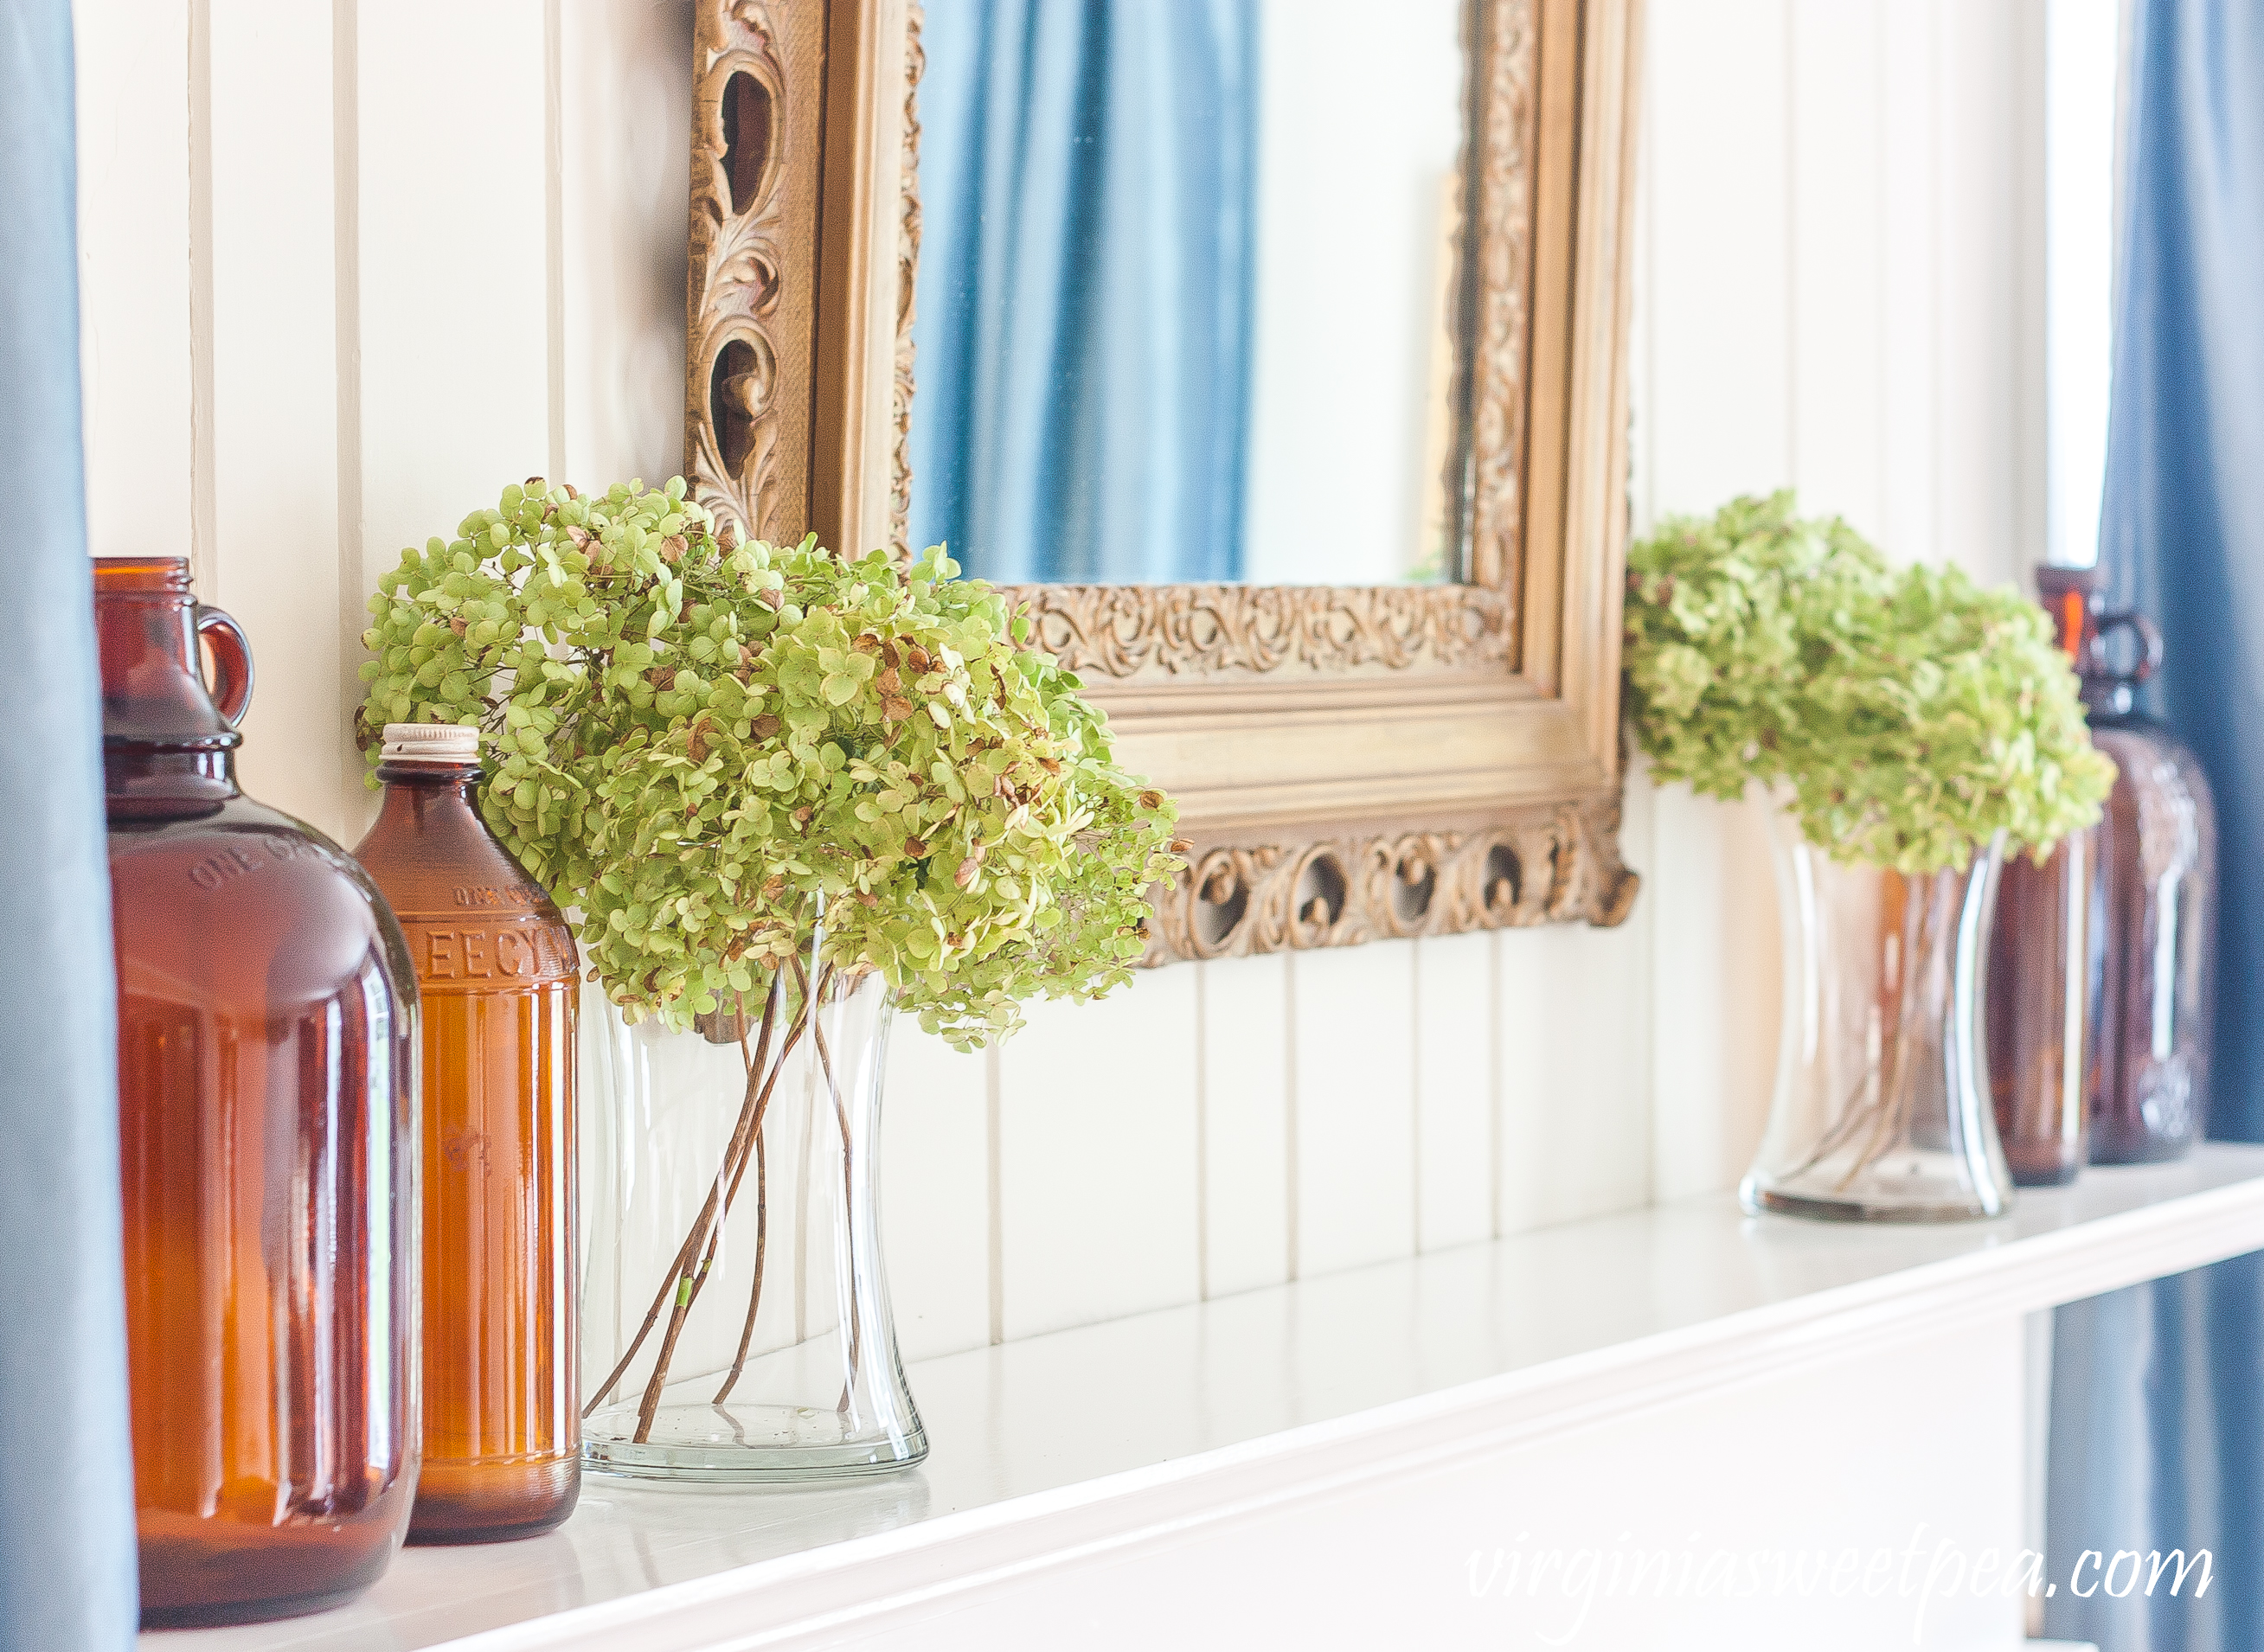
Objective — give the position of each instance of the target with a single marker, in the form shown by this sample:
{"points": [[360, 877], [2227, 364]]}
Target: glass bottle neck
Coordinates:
{"points": [[167, 752], [421, 786], [432, 853], [2074, 597], [421, 796]]}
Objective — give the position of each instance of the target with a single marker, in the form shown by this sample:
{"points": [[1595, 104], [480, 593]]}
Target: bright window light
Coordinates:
{"points": [[2082, 49]]}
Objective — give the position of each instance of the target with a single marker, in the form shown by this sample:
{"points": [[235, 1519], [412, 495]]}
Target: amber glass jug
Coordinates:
{"points": [[2156, 847], [495, 971], [2117, 926], [266, 1040]]}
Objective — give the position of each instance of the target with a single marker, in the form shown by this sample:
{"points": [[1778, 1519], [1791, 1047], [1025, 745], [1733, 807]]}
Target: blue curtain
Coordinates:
{"points": [[1083, 314], [2158, 1404], [66, 1478]]}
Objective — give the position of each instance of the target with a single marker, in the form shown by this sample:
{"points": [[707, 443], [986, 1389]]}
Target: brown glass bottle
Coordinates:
{"points": [[2047, 969], [266, 1039], [495, 967], [2047, 980], [2117, 922], [2156, 852]]}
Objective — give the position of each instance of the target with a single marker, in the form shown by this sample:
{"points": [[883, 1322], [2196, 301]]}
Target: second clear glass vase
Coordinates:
{"points": [[736, 1323], [1881, 1110]]}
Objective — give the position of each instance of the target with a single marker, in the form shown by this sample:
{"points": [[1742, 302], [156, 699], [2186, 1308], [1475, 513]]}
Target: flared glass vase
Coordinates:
{"points": [[1881, 1110], [736, 1323]]}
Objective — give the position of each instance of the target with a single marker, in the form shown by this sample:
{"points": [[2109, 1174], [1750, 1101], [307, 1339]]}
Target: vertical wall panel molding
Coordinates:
{"points": [[1097, 1157], [1577, 1102], [995, 1235], [1247, 1099], [1291, 1215], [1203, 1137], [1494, 1073], [453, 331], [1789, 99], [936, 1214], [1454, 1114], [2029, 300], [1718, 422], [1415, 1182], [1355, 1024], [625, 160], [1988, 188], [1833, 319], [346, 264], [554, 237], [1722, 337], [1908, 280], [132, 86], [203, 568], [269, 437]]}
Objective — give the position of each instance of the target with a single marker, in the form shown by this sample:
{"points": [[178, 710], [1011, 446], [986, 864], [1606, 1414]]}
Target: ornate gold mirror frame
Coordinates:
{"points": [[1350, 762]]}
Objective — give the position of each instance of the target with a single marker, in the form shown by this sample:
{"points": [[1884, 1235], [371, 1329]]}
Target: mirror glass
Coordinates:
{"points": [[1186, 306]]}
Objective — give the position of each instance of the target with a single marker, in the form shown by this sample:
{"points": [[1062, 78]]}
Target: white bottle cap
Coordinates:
{"points": [[430, 742]]}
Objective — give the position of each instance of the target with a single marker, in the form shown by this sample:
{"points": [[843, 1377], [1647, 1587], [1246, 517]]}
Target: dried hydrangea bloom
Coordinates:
{"points": [[1913, 715], [702, 745]]}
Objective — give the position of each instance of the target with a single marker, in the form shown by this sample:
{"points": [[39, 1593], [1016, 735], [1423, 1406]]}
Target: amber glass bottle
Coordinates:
{"points": [[266, 1037], [496, 966], [2156, 851], [2048, 974], [2100, 969]]}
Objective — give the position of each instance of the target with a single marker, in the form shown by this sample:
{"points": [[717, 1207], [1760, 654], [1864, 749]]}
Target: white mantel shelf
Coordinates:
{"points": [[1146, 1433]]}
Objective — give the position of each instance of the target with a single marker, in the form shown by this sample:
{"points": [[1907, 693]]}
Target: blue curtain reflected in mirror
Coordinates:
{"points": [[1087, 178]]}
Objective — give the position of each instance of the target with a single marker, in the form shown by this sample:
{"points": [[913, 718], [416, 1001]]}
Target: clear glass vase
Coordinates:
{"points": [[736, 1323], [1882, 1111]]}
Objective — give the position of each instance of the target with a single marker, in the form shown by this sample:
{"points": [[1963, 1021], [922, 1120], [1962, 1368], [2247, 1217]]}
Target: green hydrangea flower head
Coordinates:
{"points": [[1912, 714], [710, 751]]}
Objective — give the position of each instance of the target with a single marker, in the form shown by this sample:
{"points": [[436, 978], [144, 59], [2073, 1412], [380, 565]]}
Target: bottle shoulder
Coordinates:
{"points": [[436, 861], [476, 922], [2136, 729], [2160, 816], [244, 896], [235, 840], [2148, 754]]}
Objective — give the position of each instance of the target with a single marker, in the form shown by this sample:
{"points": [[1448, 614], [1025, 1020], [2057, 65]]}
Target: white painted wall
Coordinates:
{"points": [[347, 270]]}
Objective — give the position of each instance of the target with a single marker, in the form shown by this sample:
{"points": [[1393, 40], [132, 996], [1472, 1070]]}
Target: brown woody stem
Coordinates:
{"points": [[762, 1243], [811, 1002], [671, 1283], [841, 1121], [707, 1231]]}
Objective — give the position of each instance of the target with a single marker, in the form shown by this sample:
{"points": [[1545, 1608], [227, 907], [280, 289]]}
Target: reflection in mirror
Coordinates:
{"points": [[1184, 305]]}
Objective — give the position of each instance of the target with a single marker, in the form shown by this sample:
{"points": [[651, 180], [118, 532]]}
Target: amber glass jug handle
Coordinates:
{"points": [[2149, 646], [231, 656]]}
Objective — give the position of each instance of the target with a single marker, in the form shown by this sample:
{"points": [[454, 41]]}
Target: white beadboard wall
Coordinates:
{"points": [[346, 269]]}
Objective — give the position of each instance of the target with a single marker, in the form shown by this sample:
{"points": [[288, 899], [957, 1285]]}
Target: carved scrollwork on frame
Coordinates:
{"points": [[908, 245], [1123, 630], [1498, 197], [751, 289], [1551, 865]]}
